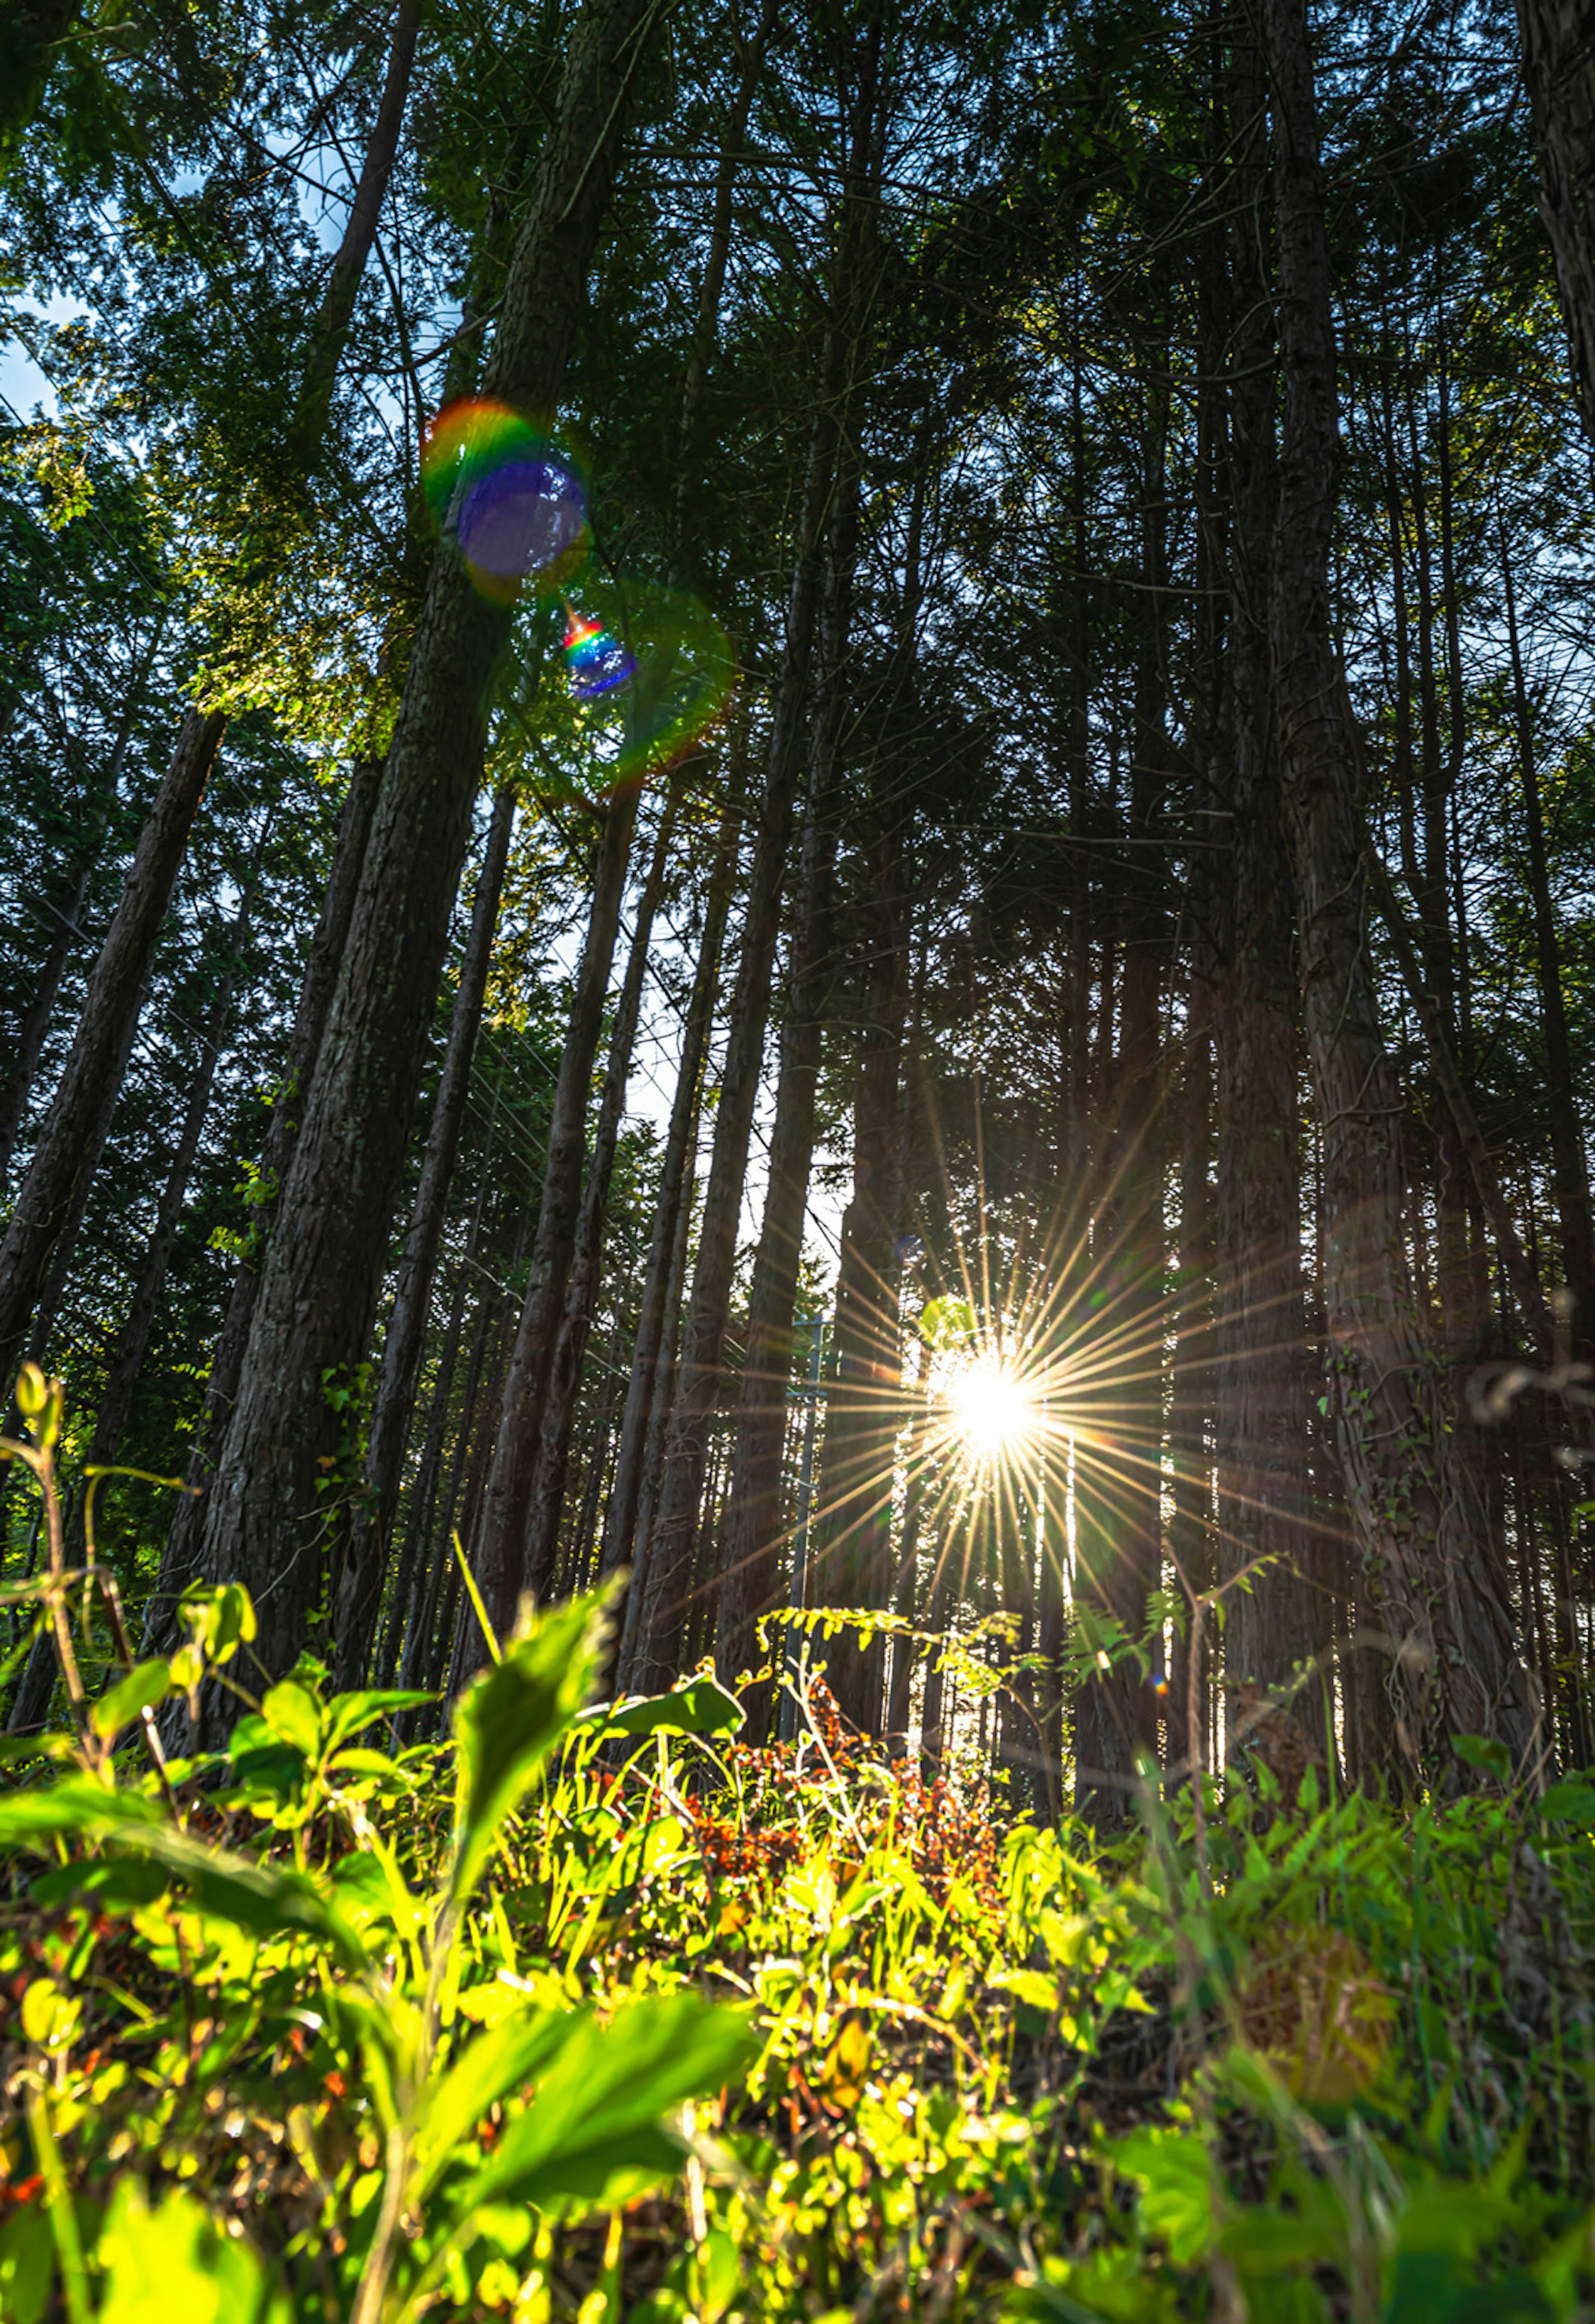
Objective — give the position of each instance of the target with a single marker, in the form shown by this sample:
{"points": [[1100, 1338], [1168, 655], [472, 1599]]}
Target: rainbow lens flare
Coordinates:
{"points": [[647, 674], [596, 662], [515, 510]]}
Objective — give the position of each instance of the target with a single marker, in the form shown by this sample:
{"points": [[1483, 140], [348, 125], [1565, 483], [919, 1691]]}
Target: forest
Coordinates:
{"points": [[796, 1265]]}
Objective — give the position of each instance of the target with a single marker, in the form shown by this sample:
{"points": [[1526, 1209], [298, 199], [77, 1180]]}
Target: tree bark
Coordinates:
{"points": [[1569, 1160], [749, 1583], [619, 1527], [61, 1159], [365, 1552], [30, 1037], [181, 1550], [324, 1267], [500, 1553], [331, 330], [565, 1371], [1455, 1669], [1559, 72]]}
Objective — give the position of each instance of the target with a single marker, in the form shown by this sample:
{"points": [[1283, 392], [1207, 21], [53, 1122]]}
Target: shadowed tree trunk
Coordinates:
{"points": [[1437, 1584], [365, 1552], [659, 1591], [323, 1269], [500, 1553], [64, 1155], [331, 329], [1263, 1381], [181, 1550], [64, 909], [1559, 72], [565, 1373], [750, 1549]]}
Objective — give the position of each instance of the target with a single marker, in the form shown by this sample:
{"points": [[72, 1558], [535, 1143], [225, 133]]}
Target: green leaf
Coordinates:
{"points": [[27, 2264], [174, 2261], [346, 1714], [1485, 1753], [291, 1712], [510, 1718], [1571, 1802], [499, 2061], [598, 2109], [702, 1707], [140, 1690], [265, 1900], [1172, 2171]]}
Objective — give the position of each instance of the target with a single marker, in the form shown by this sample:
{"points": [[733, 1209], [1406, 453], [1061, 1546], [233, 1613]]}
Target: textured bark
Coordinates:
{"points": [[564, 1372], [132, 1341], [324, 1266], [349, 267], [661, 1586], [1569, 1160], [750, 1582], [1438, 1587], [659, 1594], [62, 1160], [365, 1551], [64, 934], [1264, 1384], [31, 32], [498, 1555], [853, 1560], [1559, 72], [1119, 1544], [181, 1554], [620, 1516]]}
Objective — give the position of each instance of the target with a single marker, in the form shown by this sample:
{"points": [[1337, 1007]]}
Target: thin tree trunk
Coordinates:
{"points": [[1559, 72], [365, 1553], [30, 1037], [132, 1341], [1437, 1584], [1569, 1161], [319, 1284], [750, 1548], [181, 1554], [88, 1085], [331, 330], [564, 1372], [500, 1555], [619, 1527]]}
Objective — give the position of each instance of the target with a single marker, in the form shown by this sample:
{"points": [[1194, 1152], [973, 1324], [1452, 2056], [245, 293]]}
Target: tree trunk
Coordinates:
{"points": [[500, 1548], [30, 1036], [331, 329], [662, 1578], [1559, 72], [619, 1527], [132, 1341], [1263, 1381], [853, 1563], [564, 1372], [1438, 1590], [324, 1267], [365, 1552], [181, 1554], [1569, 1161], [62, 1159], [750, 1584], [30, 35]]}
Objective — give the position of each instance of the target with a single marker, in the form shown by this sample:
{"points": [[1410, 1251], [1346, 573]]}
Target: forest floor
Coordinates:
{"points": [[516, 2026]]}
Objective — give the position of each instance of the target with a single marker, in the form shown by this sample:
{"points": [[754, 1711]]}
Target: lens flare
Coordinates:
{"points": [[596, 662], [515, 510], [990, 1407]]}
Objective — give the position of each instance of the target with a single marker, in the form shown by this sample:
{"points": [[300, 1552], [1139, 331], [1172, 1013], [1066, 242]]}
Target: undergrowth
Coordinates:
{"points": [[595, 2014]]}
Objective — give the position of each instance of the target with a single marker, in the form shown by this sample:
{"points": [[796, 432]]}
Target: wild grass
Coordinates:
{"points": [[591, 2014]]}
